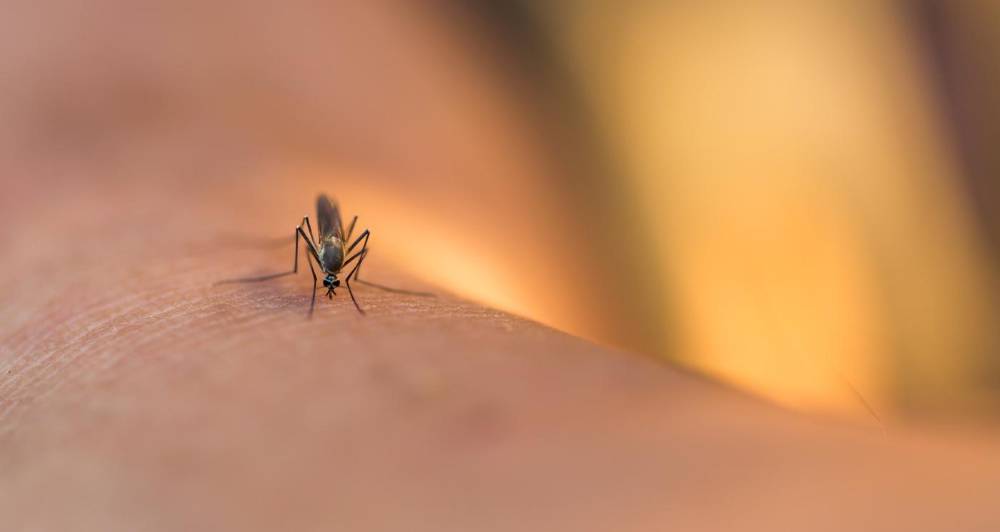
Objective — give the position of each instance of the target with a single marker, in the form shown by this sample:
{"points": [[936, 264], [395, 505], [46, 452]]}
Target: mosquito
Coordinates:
{"points": [[328, 249]]}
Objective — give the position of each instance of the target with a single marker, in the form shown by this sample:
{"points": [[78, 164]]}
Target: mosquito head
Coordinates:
{"points": [[330, 282]]}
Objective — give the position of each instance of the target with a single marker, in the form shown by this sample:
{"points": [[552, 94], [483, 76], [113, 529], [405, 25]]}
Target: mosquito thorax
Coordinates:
{"points": [[331, 254]]}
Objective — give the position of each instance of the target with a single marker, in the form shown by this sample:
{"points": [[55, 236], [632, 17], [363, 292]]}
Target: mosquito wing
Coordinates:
{"points": [[328, 218]]}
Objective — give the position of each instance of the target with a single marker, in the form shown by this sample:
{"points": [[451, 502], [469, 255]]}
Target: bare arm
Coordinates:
{"points": [[134, 394]]}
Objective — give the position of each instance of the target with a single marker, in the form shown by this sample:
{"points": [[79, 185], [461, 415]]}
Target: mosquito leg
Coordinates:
{"points": [[312, 303], [310, 254], [305, 220], [363, 249], [350, 230], [354, 272], [310, 245], [310, 249], [364, 236]]}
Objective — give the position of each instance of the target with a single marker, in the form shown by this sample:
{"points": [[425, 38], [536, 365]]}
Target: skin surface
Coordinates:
{"points": [[145, 157], [134, 395]]}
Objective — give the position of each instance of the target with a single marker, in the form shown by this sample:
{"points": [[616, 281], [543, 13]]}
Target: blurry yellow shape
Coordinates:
{"points": [[803, 202]]}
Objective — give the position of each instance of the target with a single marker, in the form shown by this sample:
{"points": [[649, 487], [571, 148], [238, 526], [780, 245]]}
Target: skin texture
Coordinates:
{"points": [[135, 395]]}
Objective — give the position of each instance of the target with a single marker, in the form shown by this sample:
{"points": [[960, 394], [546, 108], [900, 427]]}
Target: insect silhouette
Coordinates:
{"points": [[328, 249]]}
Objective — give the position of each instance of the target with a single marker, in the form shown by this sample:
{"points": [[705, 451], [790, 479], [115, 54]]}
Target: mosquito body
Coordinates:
{"points": [[328, 249]]}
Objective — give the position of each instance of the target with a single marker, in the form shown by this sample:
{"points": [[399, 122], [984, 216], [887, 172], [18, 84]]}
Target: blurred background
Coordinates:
{"points": [[797, 198]]}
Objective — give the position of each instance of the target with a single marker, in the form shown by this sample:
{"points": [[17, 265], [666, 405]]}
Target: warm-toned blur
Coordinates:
{"points": [[809, 188], [796, 198]]}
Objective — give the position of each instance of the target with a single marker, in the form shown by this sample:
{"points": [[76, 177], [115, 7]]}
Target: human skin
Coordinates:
{"points": [[135, 395]]}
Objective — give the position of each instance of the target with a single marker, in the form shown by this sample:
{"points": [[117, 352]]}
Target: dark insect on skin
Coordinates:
{"points": [[328, 249]]}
